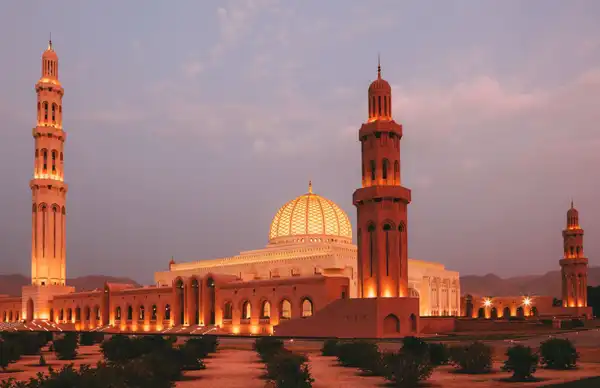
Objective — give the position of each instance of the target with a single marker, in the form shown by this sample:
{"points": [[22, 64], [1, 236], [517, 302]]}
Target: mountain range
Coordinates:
{"points": [[546, 284], [12, 284], [486, 285]]}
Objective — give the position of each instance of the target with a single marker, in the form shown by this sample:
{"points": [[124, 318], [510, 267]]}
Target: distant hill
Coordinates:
{"points": [[493, 285], [11, 284]]}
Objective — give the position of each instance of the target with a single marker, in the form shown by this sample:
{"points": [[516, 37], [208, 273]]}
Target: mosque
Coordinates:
{"points": [[309, 275]]}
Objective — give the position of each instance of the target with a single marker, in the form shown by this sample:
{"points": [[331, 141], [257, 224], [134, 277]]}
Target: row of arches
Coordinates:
{"points": [[391, 324], [380, 106], [573, 251], [43, 158], [49, 113], [387, 228], [140, 314], [50, 68], [386, 176], [48, 229], [10, 316], [284, 309], [506, 312]]}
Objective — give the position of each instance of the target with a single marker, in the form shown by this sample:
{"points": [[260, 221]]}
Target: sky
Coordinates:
{"points": [[191, 122]]}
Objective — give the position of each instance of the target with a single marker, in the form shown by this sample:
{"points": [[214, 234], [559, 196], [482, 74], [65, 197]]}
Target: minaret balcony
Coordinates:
{"points": [[370, 193]]}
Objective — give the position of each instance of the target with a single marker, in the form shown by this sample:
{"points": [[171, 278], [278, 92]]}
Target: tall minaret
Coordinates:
{"points": [[382, 202], [48, 254], [574, 265]]}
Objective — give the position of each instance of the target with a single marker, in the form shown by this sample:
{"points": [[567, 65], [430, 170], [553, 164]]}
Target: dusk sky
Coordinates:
{"points": [[191, 122]]}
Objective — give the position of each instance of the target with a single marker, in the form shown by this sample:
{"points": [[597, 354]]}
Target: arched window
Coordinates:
{"points": [[97, 313], [286, 309], [577, 251], [167, 312], [373, 172], [396, 172], [265, 311], [10, 316], [154, 313], [69, 315], [384, 169], [45, 157], [246, 310], [379, 105], [228, 311], [77, 314], [53, 161], [142, 313], [61, 315], [371, 230], [307, 308], [385, 106], [53, 113], [386, 229], [129, 313], [571, 251], [373, 106], [118, 313], [45, 111], [87, 313]]}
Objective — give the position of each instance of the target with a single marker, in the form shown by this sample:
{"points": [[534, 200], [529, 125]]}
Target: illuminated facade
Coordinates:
{"points": [[308, 276]]}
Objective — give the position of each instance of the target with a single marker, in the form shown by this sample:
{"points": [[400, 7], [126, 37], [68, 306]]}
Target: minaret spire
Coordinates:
{"points": [[378, 66], [310, 187]]}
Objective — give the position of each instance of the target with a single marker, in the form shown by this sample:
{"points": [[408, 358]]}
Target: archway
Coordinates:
{"points": [[481, 313], [534, 311], [520, 312], [196, 301], [30, 309], [391, 324], [413, 323], [494, 313], [506, 313], [180, 316], [212, 299], [469, 306]]}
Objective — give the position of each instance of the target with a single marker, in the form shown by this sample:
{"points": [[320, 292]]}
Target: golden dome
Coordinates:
{"points": [[310, 218]]}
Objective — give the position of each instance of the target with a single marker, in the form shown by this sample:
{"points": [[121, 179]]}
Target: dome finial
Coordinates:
{"points": [[378, 66], [50, 42], [571, 202], [310, 187]]}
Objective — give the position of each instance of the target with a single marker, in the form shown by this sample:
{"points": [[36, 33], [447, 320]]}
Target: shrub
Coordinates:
{"points": [[191, 354], [10, 352], [289, 370], [558, 353], [86, 338], [66, 347], [405, 369], [266, 347], [438, 354], [473, 358], [415, 346], [118, 349], [330, 347], [522, 361], [42, 361], [361, 354]]}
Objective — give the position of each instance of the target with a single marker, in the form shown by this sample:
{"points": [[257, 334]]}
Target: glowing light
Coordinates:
{"points": [[487, 302], [387, 294], [254, 329], [310, 214], [54, 177], [235, 330], [527, 301], [371, 293], [146, 327]]}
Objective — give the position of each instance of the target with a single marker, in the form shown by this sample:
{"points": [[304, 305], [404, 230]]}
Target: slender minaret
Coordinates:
{"points": [[48, 254], [574, 265], [381, 203]]}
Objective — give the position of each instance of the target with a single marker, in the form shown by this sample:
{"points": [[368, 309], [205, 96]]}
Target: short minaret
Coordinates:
{"points": [[574, 264], [48, 196], [382, 202]]}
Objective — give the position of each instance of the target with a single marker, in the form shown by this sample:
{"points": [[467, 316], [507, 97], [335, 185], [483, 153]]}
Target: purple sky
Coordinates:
{"points": [[190, 125]]}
